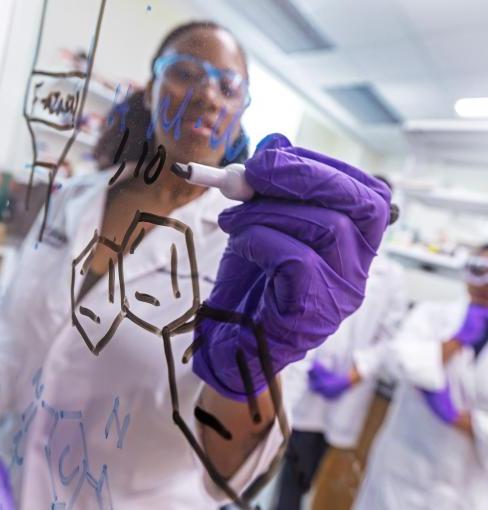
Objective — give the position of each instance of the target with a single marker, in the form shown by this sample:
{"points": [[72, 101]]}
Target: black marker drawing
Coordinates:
{"points": [[183, 324], [85, 76], [85, 258], [159, 158], [174, 272], [211, 421], [250, 493], [55, 103]]}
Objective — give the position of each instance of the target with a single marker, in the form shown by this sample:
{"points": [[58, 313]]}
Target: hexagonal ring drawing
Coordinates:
{"points": [[85, 258]]}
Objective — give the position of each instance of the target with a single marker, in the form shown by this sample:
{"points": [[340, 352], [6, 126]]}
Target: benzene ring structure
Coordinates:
{"points": [[85, 259]]}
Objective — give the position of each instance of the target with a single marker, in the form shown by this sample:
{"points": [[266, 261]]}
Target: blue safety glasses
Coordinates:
{"points": [[187, 71]]}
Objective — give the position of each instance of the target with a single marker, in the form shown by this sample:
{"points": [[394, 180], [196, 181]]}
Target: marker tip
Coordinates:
{"points": [[181, 170]]}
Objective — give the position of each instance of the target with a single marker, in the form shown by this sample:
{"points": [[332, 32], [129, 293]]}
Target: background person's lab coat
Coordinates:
{"points": [[155, 467], [417, 461], [356, 342]]}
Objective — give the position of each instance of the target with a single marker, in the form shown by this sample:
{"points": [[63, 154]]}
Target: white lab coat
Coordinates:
{"points": [[356, 341], [417, 462], [155, 468]]}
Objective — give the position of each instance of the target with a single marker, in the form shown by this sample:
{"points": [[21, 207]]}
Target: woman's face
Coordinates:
{"points": [[479, 294], [207, 103]]}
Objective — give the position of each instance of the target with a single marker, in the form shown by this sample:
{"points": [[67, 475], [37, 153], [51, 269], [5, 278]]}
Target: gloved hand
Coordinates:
{"points": [[441, 404], [296, 261], [326, 382], [475, 325], [6, 498]]}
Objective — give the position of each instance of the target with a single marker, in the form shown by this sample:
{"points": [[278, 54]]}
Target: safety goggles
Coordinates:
{"points": [[187, 71], [476, 271]]}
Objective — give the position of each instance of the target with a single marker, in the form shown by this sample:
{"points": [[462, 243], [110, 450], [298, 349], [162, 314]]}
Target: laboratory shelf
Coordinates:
{"points": [[95, 89], [421, 258], [81, 137], [101, 91], [455, 200]]}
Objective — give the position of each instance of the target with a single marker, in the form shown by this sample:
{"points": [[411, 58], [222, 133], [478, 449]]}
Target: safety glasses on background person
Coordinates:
{"points": [[182, 70], [476, 271]]}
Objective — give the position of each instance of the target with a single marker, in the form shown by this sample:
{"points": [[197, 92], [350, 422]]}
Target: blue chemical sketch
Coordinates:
{"points": [[121, 108], [27, 418], [74, 479]]}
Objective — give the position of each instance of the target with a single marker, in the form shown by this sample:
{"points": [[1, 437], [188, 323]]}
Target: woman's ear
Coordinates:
{"points": [[148, 95]]}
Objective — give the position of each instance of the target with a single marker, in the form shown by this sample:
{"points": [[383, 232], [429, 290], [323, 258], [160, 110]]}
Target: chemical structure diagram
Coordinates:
{"points": [[56, 459], [186, 322], [81, 265]]}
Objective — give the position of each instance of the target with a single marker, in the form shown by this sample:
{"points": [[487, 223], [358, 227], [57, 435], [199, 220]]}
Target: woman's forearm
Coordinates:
{"points": [[229, 455]]}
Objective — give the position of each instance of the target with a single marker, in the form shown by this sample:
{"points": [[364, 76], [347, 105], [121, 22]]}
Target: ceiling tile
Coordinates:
{"points": [[430, 16], [462, 85], [400, 60], [386, 140], [330, 68], [420, 99], [355, 22], [462, 51]]}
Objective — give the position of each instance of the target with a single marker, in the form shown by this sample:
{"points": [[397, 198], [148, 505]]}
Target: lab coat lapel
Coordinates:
{"points": [[84, 214], [154, 251]]}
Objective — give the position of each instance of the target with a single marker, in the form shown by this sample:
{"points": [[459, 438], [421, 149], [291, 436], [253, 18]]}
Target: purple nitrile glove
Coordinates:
{"points": [[440, 402], [329, 384], [6, 497], [475, 325], [296, 262]]}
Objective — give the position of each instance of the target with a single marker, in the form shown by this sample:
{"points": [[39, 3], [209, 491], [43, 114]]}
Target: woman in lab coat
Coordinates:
{"points": [[97, 432], [432, 451], [149, 464]]}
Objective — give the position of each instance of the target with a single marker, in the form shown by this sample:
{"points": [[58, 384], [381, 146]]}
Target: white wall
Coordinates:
{"points": [[5, 22], [274, 107], [130, 35], [322, 136], [19, 45]]}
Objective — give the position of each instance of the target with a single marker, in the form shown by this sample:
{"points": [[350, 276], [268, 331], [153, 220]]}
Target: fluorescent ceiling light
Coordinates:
{"points": [[472, 107]]}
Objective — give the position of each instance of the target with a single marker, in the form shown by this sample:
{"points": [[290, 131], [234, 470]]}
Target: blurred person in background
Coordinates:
{"points": [[432, 451], [334, 385]]}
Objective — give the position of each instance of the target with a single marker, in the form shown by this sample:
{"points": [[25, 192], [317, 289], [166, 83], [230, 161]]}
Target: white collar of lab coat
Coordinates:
{"points": [[84, 215]]}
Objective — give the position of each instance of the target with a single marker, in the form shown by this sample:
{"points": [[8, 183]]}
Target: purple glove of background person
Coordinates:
{"points": [[475, 325], [441, 404], [6, 498], [329, 384], [296, 262]]}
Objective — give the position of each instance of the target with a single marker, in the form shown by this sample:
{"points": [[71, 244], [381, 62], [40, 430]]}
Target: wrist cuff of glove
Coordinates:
{"points": [[222, 363], [205, 370], [443, 407]]}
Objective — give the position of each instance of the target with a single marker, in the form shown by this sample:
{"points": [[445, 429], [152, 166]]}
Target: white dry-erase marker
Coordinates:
{"points": [[230, 179], [232, 182]]}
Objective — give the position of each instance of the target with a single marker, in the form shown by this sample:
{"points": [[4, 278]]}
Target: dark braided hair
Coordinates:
{"points": [[137, 117]]}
